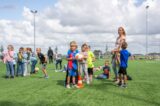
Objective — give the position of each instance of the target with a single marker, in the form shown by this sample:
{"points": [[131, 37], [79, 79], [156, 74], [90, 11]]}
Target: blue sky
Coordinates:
{"points": [[12, 9]]}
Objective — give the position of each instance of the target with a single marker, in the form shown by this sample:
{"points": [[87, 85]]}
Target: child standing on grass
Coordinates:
{"points": [[25, 57], [33, 60], [90, 60], [20, 62], [124, 55], [83, 67], [72, 67], [43, 61], [8, 60]]}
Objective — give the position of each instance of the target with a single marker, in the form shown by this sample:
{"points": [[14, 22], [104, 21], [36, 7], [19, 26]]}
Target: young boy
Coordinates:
{"points": [[43, 61], [124, 55], [90, 60], [106, 71], [72, 66]]}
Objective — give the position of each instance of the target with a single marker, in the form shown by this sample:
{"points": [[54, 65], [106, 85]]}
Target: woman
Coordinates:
{"points": [[116, 56]]}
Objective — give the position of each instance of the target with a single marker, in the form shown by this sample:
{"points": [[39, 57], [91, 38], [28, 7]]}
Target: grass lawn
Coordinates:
{"points": [[143, 90]]}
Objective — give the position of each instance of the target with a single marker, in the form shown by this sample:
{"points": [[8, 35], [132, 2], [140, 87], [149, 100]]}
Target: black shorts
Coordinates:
{"points": [[123, 71], [90, 71]]}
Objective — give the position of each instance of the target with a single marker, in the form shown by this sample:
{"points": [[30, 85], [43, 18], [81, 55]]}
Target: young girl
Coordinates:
{"points": [[26, 62], [43, 61], [8, 60], [20, 62], [72, 66], [90, 60], [116, 56], [83, 67], [33, 60]]}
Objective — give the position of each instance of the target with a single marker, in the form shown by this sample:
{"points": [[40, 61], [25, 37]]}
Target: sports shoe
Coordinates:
{"points": [[46, 77], [124, 85], [68, 86], [88, 82], [119, 84], [12, 77], [75, 86]]}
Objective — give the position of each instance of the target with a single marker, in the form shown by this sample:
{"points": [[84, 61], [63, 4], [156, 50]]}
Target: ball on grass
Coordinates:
{"points": [[36, 69]]}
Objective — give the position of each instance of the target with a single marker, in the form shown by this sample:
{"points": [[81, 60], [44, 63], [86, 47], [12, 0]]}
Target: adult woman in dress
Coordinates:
{"points": [[116, 56]]}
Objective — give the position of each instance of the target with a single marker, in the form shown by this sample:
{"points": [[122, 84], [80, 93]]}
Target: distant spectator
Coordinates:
{"points": [[50, 55], [58, 58]]}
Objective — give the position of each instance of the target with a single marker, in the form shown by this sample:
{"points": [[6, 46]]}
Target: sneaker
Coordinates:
{"points": [[75, 86], [46, 77], [68, 86], [124, 85], [119, 84], [6, 77], [88, 82], [12, 77]]}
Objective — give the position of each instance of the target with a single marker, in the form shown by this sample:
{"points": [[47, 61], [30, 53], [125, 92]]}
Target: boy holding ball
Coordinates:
{"points": [[72, 67]]}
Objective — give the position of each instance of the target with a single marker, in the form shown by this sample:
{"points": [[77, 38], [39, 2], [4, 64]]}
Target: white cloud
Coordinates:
{"points": [[94, 21]]}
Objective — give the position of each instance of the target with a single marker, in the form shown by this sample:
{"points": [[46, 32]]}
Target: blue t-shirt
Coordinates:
{"points": [[72, 64], [124, 55]]}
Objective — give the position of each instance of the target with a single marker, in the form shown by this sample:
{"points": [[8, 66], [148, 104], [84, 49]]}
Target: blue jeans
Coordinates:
{"points": [[102, 76], [115, 68], [10, 69], [33, 65], [20, 68]]}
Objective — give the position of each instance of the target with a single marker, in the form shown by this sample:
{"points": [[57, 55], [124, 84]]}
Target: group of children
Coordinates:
{"points": [[80, 64], [19, 64]]}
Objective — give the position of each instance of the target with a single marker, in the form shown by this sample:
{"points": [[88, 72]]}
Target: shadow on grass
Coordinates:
{"points": [[41, 103], [69, 104], [105, 85], [60, 82], [9, 103], [135, 98]]}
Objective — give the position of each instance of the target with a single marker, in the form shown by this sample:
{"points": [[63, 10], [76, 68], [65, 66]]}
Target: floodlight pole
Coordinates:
{"points": [[34, 14], [147, 7]]}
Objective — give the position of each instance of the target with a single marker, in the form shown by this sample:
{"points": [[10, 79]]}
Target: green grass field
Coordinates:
{"points": [[143, 90]]}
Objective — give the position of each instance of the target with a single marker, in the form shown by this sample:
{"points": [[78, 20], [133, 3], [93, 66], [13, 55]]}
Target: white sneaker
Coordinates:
{"points": [[68, 86], [88, 82]]}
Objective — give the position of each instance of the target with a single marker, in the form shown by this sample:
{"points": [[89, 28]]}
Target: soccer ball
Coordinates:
{"points": [[36, 69], [79, 56]]}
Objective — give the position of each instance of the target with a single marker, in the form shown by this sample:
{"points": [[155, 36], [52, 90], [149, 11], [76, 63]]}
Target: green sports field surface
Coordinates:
{"points": [[143, 90]]}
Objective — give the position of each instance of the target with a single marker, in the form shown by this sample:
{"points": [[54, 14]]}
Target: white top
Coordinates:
{"points": [[119, 41]]}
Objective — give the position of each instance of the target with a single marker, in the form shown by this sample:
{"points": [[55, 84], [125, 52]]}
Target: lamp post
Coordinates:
{"points": [[34, 14], [147, 7]]}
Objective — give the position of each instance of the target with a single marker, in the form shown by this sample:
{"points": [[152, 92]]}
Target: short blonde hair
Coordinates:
{"points": [[38, 49], [11, 47], [73, 43], [107, 61]]}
